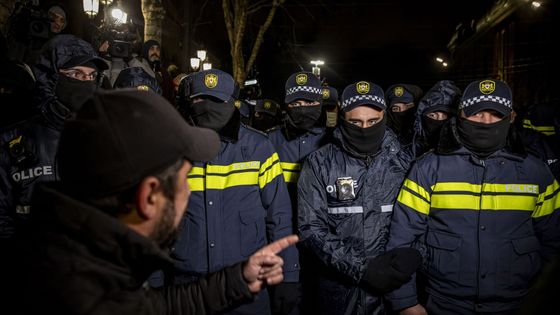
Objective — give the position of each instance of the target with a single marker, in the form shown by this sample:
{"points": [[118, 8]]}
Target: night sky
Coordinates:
{"points": [[385, 42]]}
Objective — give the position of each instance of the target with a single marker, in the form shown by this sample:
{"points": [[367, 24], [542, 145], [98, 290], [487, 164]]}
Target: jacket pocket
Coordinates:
{"points": [[252, 231], [525, 262], [443, 257]]}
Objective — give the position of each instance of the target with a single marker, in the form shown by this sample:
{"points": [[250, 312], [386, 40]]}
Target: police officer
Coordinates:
{"points": [[402, 100], [239, 200], [138, 78], [299, 135], [66, 76], [267, 115], [346, 193], [437, 106], [488, 211]]}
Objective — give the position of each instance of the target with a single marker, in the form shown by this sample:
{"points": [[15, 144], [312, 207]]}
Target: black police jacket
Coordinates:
{"points": [[345, 203]]}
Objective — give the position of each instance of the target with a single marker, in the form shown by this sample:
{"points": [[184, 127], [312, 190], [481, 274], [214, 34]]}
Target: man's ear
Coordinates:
{"points": [[512, 118], [146, 197]]}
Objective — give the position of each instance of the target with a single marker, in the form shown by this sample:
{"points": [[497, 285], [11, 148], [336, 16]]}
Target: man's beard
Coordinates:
{"points": [[154, 57], [165, 234]]}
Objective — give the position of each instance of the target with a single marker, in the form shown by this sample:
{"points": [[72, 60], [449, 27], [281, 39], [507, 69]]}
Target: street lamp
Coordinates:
{"points": [[195, 64], [106, 2], [316, 69], [91, 8], [201, 54], [119, 15], [206, 66]]}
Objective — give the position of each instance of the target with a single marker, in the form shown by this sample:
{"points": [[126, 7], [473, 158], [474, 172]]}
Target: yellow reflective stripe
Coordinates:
{"points": [[549, 201], [509, 202], [547, 130], [455, 201], [231, 180], [270, 169], [417, 189], [225, 169], [291, 166], [196, 184], [195, 170], [484, 202], [410, 200], [291, 177], [291, 171], [456, 186]]}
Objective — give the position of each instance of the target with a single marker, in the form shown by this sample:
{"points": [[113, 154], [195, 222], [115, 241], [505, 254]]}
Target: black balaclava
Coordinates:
{"points": [[432, 128], [72, 93], [403, 122], [211, 113], [263, 122], [303, 117], [483, 139], [363, 140]]}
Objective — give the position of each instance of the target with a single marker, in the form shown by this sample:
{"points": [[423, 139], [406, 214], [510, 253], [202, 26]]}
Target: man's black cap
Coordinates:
{"points": [[399, 93], [362, 93], [330, 96], [486, 94], [215, 83], [119, 137], [303, 85], [267, 106], [138, 78]]}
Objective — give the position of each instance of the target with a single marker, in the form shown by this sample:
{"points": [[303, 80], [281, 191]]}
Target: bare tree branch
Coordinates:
{"points": [[228, 19], [257, 6], [260, 35]]}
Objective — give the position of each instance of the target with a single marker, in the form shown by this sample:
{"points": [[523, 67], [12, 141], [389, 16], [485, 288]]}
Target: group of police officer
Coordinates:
{"points": [[430, 199]]}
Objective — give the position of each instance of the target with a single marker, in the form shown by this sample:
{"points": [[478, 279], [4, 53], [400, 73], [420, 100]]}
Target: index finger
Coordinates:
{"points": [[279, 245]]}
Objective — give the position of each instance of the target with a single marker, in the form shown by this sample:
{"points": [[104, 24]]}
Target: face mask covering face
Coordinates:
{"points": [[212, 114], [332, 117], [304, 117], [363, 140], [72, 93], [483, 139]]}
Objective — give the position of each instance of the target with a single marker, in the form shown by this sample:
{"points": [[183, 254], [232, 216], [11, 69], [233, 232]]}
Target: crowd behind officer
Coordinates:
{"points": [[437, 106], [488, 228], [96, 236], [239, 200], [266, 116], [402, 101], [346, 193], [66, 75]]}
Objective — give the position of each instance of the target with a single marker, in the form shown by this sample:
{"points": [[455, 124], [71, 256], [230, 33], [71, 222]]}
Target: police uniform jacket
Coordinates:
{"points": [[28, 149], [292, 152], [345, 231], [238, 204], [487, 224], [76, 259]]}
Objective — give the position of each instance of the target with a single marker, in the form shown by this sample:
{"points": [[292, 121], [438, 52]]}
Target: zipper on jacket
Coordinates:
{"points": [[483, 164]]}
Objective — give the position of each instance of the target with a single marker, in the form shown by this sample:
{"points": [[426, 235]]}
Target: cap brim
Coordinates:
{"points": [[221, 96], [100, 63], [375, 106], [475, 108], [303, 96]]}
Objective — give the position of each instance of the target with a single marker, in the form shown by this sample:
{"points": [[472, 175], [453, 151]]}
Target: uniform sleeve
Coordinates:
{"points": [[275, 198], [212, 294], [314, 229], [6, 200], [408, 225], [546, 217]]}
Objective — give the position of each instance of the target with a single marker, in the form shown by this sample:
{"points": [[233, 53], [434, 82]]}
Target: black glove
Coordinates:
{"points": [[284, 297], [391, 270]]}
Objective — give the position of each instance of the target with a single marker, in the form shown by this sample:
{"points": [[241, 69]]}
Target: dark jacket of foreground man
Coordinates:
{"points": [[79, 260]]}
